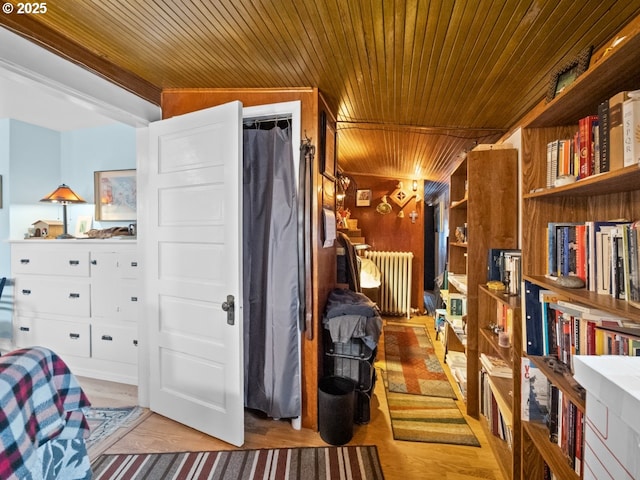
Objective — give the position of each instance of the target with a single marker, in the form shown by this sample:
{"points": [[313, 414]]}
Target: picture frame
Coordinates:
{"points": [[115, 194], [564, 76], [363, 198], [328, 194], [83, 225], [327, 148]]}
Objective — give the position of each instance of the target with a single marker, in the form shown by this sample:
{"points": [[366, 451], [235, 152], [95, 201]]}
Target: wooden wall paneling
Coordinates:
{"points": [[390, 232], [177, 101]]}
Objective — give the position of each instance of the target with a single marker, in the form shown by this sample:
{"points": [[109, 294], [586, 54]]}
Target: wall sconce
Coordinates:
{"points": [[63, 195], [415, 186]]}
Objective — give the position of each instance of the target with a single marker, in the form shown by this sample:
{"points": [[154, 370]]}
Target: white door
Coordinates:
{"points": [[191, 247]]}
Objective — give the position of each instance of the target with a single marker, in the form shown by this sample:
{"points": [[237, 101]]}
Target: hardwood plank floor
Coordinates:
{"points": [[400, 460]]}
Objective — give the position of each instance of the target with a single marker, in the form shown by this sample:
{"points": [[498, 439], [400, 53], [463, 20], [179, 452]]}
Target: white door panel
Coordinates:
{"points": [[192, 250]]}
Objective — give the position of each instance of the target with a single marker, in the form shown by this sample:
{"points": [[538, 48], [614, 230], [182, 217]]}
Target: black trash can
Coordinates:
{"points": [[336, 401]]}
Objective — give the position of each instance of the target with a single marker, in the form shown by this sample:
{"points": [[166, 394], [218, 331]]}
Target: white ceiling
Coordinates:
{"points": [[24, 100]]}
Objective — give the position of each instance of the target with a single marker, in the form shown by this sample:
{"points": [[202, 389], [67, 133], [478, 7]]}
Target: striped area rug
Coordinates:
{"points": [[327, 463], [418, 418]]}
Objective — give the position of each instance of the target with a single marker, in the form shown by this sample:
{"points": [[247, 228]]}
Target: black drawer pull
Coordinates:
{"points": [[134, 264], [74, 295], [74, 336], [25, 329], [135, 343], [109, 338], [74, 262], [24, 261], [26, 291], [94, 262], [134, 299]]}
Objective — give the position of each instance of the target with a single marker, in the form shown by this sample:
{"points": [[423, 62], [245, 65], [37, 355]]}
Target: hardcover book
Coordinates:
{"points": [[535, 392], [631, 129], [616, 141]]}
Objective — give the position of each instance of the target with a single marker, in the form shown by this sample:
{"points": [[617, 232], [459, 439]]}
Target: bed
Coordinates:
{"points": [[42, 423]]}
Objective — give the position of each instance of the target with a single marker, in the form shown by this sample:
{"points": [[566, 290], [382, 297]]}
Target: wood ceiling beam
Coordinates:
{"points": [[28, 27]]}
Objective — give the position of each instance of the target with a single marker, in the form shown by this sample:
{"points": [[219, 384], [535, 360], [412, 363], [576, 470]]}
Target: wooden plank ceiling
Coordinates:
{"points": [[414, 83]]}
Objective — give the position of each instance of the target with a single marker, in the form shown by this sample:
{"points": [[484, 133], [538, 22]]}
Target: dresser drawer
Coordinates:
{"points": [[115, 343], [49, 261], [128, 264], [56, 296], [129, 301], [70, 338], [23, 332]]}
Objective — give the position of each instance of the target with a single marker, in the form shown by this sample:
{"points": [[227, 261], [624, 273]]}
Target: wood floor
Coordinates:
{"points": [[400, 460]]}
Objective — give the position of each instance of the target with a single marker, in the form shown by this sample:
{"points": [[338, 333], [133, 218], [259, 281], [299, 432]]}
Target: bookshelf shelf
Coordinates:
{"points": [[592, 299], [606, 196], [492, 341], [458, 281], [625, 179], [538, 449], [563, 381], [501, 450]]}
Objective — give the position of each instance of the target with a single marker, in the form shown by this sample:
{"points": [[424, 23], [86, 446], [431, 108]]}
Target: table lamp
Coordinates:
{"points": [[63, 195]]}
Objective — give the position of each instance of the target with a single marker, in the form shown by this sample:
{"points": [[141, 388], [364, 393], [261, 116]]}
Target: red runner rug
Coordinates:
{"points": [[412, 365]]}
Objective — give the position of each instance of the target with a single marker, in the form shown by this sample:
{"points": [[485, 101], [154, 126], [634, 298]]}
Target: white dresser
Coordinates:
{"points": [[80, 299]]}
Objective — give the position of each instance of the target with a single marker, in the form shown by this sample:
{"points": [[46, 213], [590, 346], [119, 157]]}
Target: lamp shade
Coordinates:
{"points": [[63, 194]]}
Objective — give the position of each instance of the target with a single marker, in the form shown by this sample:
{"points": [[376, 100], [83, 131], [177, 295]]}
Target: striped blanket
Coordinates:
{"points": [[42, 424]]}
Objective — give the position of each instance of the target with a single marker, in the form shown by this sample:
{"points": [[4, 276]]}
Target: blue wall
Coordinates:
{"points": [[34, 161]]}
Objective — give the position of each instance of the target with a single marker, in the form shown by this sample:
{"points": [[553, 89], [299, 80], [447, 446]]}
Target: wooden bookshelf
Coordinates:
{"points": [[506, 390], [484, 196], [606, 196]]}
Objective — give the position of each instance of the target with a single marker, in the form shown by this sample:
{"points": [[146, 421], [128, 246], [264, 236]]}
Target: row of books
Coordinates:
{"points": [[546, 403], [554, 326], [602, 142], [505, 265], [499, 423], [604, 254]]}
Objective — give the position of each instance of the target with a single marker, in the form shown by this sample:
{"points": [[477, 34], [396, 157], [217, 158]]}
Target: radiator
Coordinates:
{"points": [[395, 285]]}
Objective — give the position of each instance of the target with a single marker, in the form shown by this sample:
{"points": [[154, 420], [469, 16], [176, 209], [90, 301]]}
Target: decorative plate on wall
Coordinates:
{"points": [[384, 207]]}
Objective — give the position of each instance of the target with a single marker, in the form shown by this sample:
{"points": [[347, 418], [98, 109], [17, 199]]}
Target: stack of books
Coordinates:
{"points": [[495, 366]]}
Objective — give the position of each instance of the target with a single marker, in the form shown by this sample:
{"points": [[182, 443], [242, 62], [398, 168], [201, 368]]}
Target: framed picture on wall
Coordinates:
{"points": [[327, 148], [363, 198], [115, 195], [328, 194]]}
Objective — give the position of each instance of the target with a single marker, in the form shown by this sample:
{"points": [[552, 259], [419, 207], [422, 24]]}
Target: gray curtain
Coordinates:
{"points": [[272, 380]]}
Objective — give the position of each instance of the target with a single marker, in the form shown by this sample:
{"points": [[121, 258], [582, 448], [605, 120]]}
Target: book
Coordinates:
{"points": [[535, 391], [634, 265], [495, 366], [603, 137], [552, 417], [593, 257], [495, 265], [534, 325], [616, 140], [631, 129], [585, 127], [457, 304], [555, 245]]}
